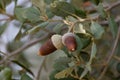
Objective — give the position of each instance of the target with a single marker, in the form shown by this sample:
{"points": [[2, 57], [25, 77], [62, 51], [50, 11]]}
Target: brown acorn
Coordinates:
{"points": [[51, 45], [69, 41]]}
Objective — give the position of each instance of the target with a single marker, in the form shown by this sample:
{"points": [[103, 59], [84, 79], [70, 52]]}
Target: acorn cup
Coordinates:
{"points": [[69, 41], [51, 45]]}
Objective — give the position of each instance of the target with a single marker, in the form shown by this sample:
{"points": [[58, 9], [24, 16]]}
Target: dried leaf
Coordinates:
{"points": [[64, 73]]}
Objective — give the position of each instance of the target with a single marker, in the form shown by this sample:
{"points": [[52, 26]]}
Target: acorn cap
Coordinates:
{"points": [[57, 41], [65, 36], [69, 41]]}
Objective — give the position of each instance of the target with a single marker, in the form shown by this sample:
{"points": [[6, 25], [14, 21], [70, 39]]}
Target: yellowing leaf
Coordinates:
{"points": [[79, 29], [64, 73]]}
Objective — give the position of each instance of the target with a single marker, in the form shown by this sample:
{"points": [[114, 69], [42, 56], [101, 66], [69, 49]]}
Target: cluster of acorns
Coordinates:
{"points": [[57, 42]]}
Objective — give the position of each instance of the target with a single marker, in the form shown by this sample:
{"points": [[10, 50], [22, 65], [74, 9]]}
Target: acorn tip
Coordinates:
{"points": [[73, 49]]}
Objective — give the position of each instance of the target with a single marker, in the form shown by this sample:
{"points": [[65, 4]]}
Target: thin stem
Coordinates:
{"points": [[76, 77], [40, 69], [5, 19], [52, 20], [3, 53], [27, 45], [117, 58], [111, 55], [117, 20], [113, 5]]}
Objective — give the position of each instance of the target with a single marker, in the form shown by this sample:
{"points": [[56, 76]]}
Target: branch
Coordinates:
{"points": [[40, 69], [117, 20], [27, 45], [5, 19], [113, 5], [111, 55], [117, 58]]}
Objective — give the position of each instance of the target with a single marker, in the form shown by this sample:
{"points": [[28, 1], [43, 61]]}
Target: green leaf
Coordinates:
{"points": [[19, 34], [80, 13], [61, 63], [40, 4], [93, 52], [97, 30], [62, 8], [64, 73], [11, 46], [85, 56], [96, 1], [79, 70], [118, 49], [48, 1], [71, 19], [3, 28], [58, 28], [19, 13], [1, 67], [101, 11], [83, 40], [6, 74], [37, 28], [88, 66], [49, 13], [84, 73], [25, 77], [118, 67], [32, 14], [113, 26], [4, 3], [79, 43], [23, 66]]}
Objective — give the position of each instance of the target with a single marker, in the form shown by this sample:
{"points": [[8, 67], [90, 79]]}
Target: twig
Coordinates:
{"points": [[3, 53], [111, 55], [52, 20], [40, 69], [76, 77], [117, 20], [113, 5], [117, 58], [24, 47], [108, 8], [5, 19]]}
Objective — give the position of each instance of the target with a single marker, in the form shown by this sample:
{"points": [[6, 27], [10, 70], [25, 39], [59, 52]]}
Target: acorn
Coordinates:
{"points": [[51, 45], [69, 41]]}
